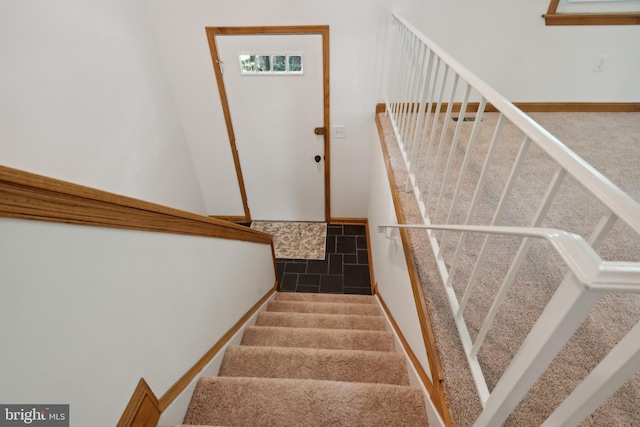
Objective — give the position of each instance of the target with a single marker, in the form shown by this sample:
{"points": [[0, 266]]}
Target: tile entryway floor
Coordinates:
{"points": [[345, 269]]}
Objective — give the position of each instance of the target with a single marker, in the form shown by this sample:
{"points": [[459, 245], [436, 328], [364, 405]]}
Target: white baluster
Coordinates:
{"points": [[567, 309], [622, 362]]}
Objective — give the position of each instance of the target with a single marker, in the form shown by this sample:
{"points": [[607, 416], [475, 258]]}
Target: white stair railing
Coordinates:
{"points": [[423, 82], [590, 278]]}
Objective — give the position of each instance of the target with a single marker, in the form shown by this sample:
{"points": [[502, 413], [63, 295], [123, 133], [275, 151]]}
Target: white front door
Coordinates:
{"points": [[274, 111]]}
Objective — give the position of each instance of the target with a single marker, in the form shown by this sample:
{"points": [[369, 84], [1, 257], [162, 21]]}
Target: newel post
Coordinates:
{"points": [[568, 308]]}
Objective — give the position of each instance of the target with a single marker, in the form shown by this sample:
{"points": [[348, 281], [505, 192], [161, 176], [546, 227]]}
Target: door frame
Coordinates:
{"points": [[322, 30]]}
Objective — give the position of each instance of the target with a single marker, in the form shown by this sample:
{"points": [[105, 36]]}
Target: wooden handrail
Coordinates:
{"points": [[25, 195], [35, 197]]}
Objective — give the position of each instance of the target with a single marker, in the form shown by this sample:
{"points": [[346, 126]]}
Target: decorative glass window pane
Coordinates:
{"points": [[279, 63], [247, 63], [271, 63], [295, 63], [263, 63]]}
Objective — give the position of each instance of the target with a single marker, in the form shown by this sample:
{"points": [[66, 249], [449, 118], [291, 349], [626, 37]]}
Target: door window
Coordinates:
{"points": [[270, 63]]}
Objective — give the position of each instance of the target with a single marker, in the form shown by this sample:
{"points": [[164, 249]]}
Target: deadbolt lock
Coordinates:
{"points": [[319, 131]]}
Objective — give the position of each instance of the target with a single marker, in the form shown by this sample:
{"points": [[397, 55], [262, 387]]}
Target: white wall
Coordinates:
{"points": [[391, 273], [85, 312], [357, 29], [174, 414], [390, 266], [84, 99], [507, 44]]}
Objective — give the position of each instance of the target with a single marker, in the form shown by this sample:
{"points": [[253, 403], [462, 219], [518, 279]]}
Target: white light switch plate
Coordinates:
{"points": [[339, 131]]}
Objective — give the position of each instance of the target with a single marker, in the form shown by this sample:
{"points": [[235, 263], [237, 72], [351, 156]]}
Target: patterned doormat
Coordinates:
{"points": [[296, 240]]}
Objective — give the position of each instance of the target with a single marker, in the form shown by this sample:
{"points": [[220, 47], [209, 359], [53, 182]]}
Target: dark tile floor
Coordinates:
{"points": [[345, 269]]}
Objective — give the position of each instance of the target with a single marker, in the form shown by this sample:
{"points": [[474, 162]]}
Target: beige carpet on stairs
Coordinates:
{"points": [[311, 360]]}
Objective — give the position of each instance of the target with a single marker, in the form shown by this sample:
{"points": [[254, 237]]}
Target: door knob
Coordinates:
{"points": [[317, 159], [319, 131]]}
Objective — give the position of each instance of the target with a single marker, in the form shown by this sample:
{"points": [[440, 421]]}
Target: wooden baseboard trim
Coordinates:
{"points": [[275, 268], [405, 344], [545, 107], [191, 374], [142, 410], [438, 395], [340, 220], [26, 195], [228, 218], [372, 278]]}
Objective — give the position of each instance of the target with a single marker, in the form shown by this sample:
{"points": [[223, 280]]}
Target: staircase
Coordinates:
{"points": [[311, 360]]}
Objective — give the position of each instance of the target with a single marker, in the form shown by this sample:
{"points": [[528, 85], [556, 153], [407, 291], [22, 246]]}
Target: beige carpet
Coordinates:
{"points": [[311, 360], [295, 240], [611, 143]]}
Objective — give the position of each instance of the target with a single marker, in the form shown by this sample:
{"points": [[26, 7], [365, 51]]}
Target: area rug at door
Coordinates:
{"points": [[296, 240]]}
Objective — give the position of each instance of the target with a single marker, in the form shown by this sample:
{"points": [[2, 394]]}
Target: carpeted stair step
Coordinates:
{"points": [[321, 320], [336, 339], [380, 367], [251, 402], [323, 307], [335, 298], [311, 359]]}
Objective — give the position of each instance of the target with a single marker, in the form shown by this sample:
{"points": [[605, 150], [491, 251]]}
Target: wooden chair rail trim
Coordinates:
{"points": [[191, 374], [30, 196], [437, 396]]}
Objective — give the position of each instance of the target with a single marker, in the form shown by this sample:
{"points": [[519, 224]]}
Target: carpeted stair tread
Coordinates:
{"points": [[251, 402], [324, 307], [380, 367], [311, 359], [321, 320], [337, 339], [335, 298]]}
